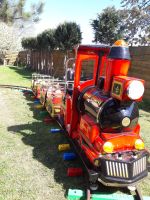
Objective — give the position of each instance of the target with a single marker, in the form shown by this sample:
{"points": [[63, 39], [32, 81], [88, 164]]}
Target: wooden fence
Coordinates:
{"points": [[53, 64], [140, 66]]}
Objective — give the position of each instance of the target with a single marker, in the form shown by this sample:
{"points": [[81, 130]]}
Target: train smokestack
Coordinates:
{"points": [[118, 63]]}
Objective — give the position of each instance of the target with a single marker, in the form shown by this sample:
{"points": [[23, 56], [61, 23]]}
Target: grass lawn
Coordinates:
{"points": [[30, 165], [15, 76]]}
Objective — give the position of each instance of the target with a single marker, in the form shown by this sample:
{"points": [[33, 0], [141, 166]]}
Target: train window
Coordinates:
{"points": [[87, 70]]}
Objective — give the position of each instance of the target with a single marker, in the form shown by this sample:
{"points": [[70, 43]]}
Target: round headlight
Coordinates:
{"points": [[139, 144], [135, 90], [108, 147], [126, 121]]}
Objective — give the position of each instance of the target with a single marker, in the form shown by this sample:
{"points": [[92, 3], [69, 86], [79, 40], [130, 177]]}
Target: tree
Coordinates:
{"points": [[16, 22], [46, 41], [7, 38], [41, 41], [107, 26], [141, 4], [68, 35], [12, 12], [137, 21], [30, 43], [50, 37]]}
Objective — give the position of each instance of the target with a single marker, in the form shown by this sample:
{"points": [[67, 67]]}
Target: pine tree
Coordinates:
{"points": [[68, 35], [108, 26]]}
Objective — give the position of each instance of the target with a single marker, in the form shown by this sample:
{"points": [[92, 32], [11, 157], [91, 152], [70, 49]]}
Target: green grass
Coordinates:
{"points": [[30, 165], [145, 105], [31, 168], [15, 76]]}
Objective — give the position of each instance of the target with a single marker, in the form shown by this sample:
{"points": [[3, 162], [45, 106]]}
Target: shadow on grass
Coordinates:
{"points": [[145, 105], [45, 150], [24, 72]]}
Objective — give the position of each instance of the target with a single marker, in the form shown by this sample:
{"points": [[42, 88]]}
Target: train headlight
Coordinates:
{"points": [[108, 147], [126, 121], [139, 144], [135, 90]]}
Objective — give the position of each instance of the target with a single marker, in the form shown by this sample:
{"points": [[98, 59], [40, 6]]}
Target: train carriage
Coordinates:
{"points": [[99, 112]]}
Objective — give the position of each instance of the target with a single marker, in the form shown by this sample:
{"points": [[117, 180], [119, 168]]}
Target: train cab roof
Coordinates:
{"points": [[93, 49]]}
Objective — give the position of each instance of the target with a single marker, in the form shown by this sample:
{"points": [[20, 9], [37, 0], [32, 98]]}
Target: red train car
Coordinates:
{"points": [[100, 115]]}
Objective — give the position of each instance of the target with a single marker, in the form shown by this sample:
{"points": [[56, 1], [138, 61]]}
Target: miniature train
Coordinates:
{"points": [[99, 112]]}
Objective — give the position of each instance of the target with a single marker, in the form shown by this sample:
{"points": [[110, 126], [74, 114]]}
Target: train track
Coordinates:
{"points": [[15, 87]]}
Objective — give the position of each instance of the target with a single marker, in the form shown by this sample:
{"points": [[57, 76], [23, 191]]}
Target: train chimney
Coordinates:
{"points": [[118, 63]]}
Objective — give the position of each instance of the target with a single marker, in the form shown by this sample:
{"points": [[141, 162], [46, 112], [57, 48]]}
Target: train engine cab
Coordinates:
{"points": [[101, 116]]}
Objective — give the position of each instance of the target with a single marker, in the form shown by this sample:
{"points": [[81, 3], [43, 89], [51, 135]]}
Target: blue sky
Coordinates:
{"points": [[79, 11]]}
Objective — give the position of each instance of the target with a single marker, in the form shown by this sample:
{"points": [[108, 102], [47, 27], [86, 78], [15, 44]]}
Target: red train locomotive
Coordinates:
{"points": [[99, 112]]}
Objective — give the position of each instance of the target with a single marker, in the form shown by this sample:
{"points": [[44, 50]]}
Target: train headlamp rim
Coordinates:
{"points": [[135, 90]]}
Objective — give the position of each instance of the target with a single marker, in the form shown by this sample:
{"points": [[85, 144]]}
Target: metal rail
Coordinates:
{"points": [[138, 193], [15, 87]]}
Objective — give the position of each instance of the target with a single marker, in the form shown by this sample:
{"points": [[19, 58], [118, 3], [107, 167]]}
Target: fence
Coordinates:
{"points": [[53, 64], [140, 66]]}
